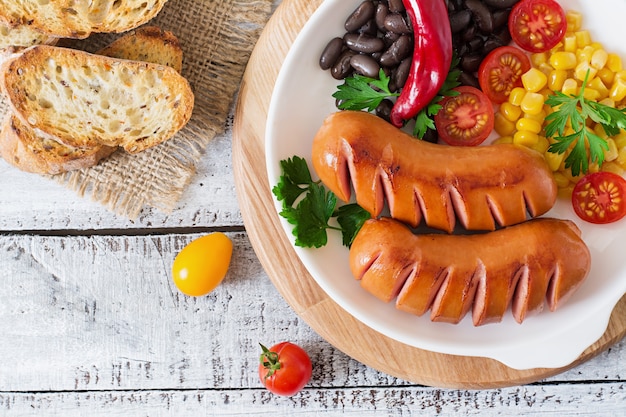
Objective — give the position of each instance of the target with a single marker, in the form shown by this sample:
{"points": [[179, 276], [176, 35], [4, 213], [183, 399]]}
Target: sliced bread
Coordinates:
{"points": [[85, 100], [78, 19], [12, 39], [148, 44], [22, 148]]}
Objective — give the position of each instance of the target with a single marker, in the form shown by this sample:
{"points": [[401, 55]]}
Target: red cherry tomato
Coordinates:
{"points": [[501, 71], [285, 368], [465, 119], [600, 197], [537, 25]]}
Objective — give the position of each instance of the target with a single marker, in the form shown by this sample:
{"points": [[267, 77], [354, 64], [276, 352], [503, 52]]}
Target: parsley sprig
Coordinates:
{"points": [[359, 92], [573, 111], [309, 207]]}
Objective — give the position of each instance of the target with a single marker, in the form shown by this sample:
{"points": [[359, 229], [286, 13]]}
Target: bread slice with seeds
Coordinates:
{"points": [[148, 44], [23, 148], [84, 100], [78, 19], [14, 39]]}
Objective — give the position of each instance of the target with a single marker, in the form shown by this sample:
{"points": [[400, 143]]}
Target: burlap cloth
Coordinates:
{"points": [[217, 37]]}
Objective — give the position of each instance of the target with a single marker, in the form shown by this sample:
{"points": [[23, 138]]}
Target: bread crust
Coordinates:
{"points": [[84, 100], [72, 19]]}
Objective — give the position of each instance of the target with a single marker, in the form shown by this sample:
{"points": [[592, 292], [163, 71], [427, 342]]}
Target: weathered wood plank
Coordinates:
{"points": [[32, 202], [101, 313], [561, 401]]}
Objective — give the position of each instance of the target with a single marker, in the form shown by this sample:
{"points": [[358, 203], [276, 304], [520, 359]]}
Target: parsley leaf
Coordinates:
{"points": [[364, 93], [584, 145], [309, 207], [359, 92]]}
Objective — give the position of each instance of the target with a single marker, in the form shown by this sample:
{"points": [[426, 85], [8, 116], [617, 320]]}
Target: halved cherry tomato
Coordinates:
{"points": [[201, 265], [501, 71], [465, 119], [537, 25], [285, 368], [600, 197]]}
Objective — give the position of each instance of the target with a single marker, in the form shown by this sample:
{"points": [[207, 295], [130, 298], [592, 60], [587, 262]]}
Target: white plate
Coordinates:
{"points": [[300, 102]]}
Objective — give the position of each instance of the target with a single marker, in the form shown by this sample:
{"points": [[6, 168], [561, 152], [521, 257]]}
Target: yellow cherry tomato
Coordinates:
{"points": [[202, 265]]}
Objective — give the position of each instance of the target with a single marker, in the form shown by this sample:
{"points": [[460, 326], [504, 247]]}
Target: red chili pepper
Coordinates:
{"points": [[432, 55]]}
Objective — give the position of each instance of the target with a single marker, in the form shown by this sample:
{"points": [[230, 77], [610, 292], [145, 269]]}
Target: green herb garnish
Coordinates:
{"points": [[365, 93], [309, 207], [573, 111]]}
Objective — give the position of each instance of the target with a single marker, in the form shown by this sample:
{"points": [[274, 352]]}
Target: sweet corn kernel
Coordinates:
{"points": [[618, 90], [556, 78], [619, 75], [542, 145], [534, 80], [516, 96], [621, 157], [598, 85], [608, 102], [554, 160], [614, 62], [570, 87], [561, 180], [606, 75], [613, 167], [528, 125], [583, 38], [532, 103], [620, 139], [525, 138], [581, 70], [502, 126], [503, 139], [538, 58], [569, 43], [599, 130], [599, 59], [584, 54], [563, 60], [591, 94], [510, 111], [539, 117], [566, 192], [611, 153], [574, 20]]}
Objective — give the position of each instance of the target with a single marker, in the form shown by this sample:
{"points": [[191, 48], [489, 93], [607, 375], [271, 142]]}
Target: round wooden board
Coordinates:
{"points": [[294, 282]]}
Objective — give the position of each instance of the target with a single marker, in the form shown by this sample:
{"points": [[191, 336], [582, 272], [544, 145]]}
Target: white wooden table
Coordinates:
{"points": [[91, 323]]}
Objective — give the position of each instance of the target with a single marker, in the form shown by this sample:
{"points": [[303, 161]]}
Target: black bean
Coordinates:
{"points": [[365, 65], [331, 53], [431, 136], [476, 44], [491, 43], [342, 67], [396, 6], [401, 73], [398, 50], [500, 4], [383, 110], [471, 62], [364, 12], [369, 28], [469, 33], [466, 78], [459, 20], [389, 38], [381, 13], [395, 22], [363, 43], [500, 18], [481, 14]]}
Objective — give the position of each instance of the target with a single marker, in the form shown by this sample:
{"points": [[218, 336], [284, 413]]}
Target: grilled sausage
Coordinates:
{"points": [[483, 186], [520, 266]]}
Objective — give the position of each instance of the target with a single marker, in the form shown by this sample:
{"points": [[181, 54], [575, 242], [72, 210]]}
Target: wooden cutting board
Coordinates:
{"points": [[293, 281]]}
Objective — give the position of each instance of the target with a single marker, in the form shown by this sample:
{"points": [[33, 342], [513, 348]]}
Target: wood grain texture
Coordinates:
{"points": [[363, 402], [290, 276]]}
